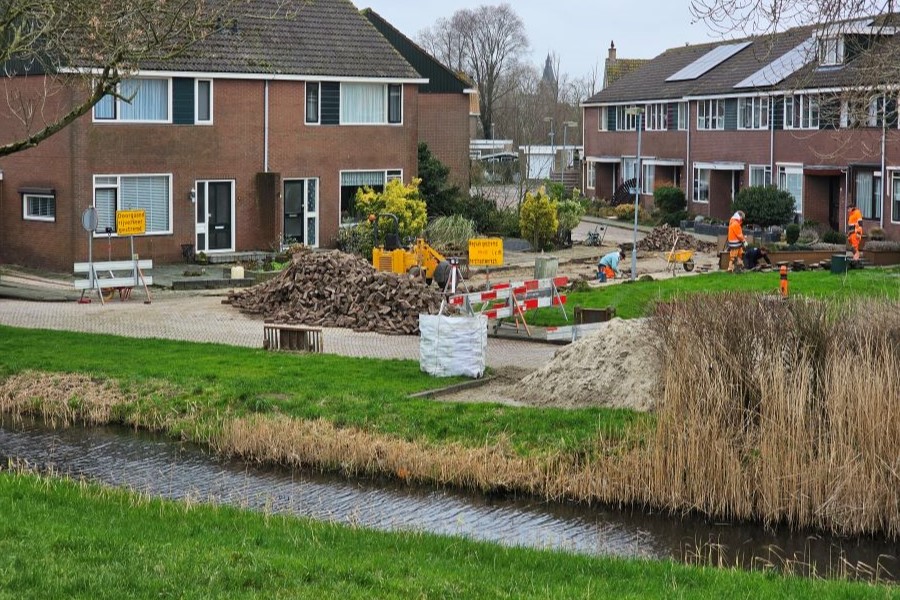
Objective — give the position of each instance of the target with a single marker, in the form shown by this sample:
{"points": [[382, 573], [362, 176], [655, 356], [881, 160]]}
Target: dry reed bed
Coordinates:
{"points": [[772, 411]]}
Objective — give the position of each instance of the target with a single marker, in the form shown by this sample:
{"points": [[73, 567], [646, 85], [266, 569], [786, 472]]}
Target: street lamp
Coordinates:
{"points": [[552, 145], [637, 112], [566, 126]]}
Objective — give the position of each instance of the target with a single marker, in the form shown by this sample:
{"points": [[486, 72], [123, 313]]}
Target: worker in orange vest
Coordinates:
{"points": [[854, 229], [736, 242]]}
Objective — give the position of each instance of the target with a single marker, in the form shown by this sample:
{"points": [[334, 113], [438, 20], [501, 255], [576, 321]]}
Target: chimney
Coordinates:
{"points": [[612, 52]]}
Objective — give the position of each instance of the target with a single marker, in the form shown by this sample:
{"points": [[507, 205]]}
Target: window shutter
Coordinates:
{"points": [[183, 101], [611, 118], [777, 112], [331, 103]]}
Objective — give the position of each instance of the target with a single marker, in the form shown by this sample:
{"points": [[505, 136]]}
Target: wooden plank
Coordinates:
{"points": [[111, 282], [113, 265]]}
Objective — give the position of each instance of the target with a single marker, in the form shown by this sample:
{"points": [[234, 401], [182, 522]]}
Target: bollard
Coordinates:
{"points": [[784, 281]]}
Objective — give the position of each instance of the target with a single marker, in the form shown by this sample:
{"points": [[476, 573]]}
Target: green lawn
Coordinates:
{"points": [[633, 300], [60, 539]]}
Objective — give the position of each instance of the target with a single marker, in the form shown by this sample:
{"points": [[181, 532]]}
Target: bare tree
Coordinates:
{"points": [[88, 47], [488, 42]]}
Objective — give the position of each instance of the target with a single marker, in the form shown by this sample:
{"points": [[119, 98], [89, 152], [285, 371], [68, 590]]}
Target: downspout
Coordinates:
{"points": [[266, 129], [689, 179], [883, 165], [772, 141]]}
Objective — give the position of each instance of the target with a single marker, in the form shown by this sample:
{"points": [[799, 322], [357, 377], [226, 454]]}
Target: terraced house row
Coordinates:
{"points": [[812, 110], [260, 135]]}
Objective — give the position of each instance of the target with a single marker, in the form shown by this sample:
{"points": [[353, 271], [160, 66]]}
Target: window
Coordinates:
{"points": [[831, 51], [371, 103], [38, 207], [710, 114], [603, 119], [312, 102], [682, 116], [627, 118], [142, 100], [204, 101], [701, 185], [790, 179], [629, 169], [895, 197], [591, 183], [351, 181], [657, 117], [152, 193], [648, 177], [801, 111], [868, 193], [753, 113], [760, 175]]}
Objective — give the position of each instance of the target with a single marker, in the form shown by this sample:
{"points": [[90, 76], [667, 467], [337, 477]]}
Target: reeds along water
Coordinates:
{"points": [[780, 411]]}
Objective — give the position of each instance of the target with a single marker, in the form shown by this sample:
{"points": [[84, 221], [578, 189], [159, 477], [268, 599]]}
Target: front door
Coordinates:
{"points": [[301, 212], [215, 216]]}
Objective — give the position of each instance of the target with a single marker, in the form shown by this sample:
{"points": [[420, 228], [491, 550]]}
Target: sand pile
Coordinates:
{"points": [[616, 367]]}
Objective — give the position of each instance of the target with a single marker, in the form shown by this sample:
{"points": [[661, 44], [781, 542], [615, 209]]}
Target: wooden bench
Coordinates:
{"points": [[281, 336]]}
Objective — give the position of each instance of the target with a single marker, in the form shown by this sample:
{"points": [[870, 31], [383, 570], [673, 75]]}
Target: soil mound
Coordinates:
{"points": [[616, 366], [662, 238], [335, 289]]}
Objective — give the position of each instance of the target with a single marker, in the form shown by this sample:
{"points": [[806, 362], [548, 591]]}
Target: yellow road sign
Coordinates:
{"points": [[486, 252], [131, 222]]}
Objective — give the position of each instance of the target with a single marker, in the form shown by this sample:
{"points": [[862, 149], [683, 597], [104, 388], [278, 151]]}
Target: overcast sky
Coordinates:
{"points": [[579, 31]]}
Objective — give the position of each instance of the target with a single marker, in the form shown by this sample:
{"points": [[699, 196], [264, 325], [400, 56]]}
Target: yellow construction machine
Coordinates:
{"points": [[417, 258]]}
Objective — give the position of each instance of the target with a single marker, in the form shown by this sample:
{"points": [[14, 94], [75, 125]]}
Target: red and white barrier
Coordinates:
{"points": [[505, 300]]}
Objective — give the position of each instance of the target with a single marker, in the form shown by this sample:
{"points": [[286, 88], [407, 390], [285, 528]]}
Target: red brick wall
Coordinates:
{"points": [[232, 148], [444, 126]]}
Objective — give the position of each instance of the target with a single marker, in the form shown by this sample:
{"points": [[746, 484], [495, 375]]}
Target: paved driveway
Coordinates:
{"points": [[203, 318]]}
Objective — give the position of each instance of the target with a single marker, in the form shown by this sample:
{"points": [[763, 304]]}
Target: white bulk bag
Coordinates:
{"points": [[450, 346]]}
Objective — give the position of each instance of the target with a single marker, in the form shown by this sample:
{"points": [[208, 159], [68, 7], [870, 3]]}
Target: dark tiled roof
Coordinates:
{"points": [[619, 67], [440, 78], [316, 37]]}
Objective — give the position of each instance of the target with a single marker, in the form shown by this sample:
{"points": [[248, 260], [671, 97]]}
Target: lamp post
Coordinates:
{"points": [[552, 145], [639, 113]]}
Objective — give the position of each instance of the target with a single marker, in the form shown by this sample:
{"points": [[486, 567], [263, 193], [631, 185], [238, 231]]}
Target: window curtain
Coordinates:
{"points": [[359, 178], [149, 99], [362, 103], [150, 193], [105, 108], [864, 193], [105, 203]]}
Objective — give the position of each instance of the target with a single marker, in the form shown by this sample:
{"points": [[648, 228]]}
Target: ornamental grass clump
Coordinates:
{"points": [[451, 233]]}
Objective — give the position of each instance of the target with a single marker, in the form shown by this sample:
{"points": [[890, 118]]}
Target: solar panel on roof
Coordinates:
{"points": [[713, 58], [783, 66]]}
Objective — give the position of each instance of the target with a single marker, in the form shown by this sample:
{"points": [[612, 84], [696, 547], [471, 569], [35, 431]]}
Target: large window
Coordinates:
{"points": [[790, 179], [627, 118], [868, 193], [657, 117], [38, 207], [140, 100], [760, 175], [753, 113], [371, 103], [801, 111], [710, 114], [351, 181], [701, 185], [152, 193]]}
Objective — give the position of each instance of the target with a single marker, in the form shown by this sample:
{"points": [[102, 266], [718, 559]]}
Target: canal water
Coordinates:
{"points": [[156, 465]]}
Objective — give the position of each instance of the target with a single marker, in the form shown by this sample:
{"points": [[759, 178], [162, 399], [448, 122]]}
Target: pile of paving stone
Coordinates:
{"points": [[663, 237], [335, 289]]}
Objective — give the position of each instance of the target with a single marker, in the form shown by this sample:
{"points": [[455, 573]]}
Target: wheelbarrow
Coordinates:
{"points": [[684, 257]]}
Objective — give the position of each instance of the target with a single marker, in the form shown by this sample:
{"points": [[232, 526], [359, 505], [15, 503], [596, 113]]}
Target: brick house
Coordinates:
{"points": [[262, 135], [781, 110]]}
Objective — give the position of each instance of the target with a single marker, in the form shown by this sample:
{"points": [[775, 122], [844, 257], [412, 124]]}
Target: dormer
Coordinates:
{"points": [[831, 50], [840, 43]]}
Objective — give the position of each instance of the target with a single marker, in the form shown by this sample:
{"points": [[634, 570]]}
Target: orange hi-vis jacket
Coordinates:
{"points": [[735, 234], [854, 218]]}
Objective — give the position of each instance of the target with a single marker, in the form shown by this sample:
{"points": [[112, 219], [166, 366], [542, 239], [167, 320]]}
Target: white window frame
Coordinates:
{"points": [[117, 105], [386, 98], [118, 187], [792, 169], [648, 178], [28, 215], [711, 115], [753, 113], [698, 178], [306, 91], [197, 119], [625, 120], [591, 179], [831, 51], [802, 111], [603, 119], [307, 214], [871, 208], [657, 117], [629, 168], [387, 174], [683, 116], [895, 195], [766, 171]]}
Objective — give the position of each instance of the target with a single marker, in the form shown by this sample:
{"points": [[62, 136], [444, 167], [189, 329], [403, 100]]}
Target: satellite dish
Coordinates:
{"points": [[89, 219]]}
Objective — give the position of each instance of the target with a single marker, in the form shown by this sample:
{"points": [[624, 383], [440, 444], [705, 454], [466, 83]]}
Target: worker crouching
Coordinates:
{"points": [[608, 267], [736, 242]]}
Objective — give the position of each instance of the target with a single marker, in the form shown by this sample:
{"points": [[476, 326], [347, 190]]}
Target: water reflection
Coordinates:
{"points": [[155, 465]]}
